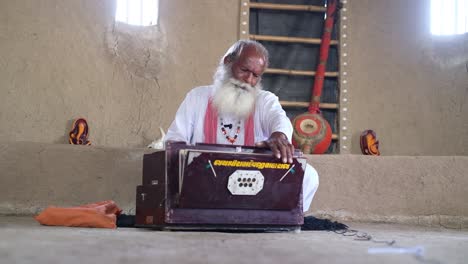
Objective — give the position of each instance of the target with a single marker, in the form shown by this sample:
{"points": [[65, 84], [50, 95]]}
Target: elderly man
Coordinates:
{"points": [[235, 110]]}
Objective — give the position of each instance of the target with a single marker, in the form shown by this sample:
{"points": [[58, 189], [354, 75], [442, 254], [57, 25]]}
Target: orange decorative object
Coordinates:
{"points": [[312, 133], [369, 143], [79, 133]]}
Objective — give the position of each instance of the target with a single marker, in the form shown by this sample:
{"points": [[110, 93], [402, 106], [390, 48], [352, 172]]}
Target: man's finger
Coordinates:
{"points": [[284, 152], [288, 154], [274, 148], [291, 149]]}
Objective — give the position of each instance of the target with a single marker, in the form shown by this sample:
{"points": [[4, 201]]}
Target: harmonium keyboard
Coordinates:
{"points": [[220, 187]]}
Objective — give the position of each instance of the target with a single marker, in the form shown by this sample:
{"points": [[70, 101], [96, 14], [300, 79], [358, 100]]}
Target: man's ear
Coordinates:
{"points": [[227, 59]]}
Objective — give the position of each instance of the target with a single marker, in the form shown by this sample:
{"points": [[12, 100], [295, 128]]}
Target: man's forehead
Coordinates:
{"points": [[251, 55], [254, 60], [250, 52]]}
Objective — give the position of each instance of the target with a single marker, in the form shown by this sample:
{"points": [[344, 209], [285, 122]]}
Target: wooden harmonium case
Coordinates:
{"points": [[220, 187]]}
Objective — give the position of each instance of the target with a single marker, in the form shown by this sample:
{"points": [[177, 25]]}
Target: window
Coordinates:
{"points": [[137, 12], [449, 17]]}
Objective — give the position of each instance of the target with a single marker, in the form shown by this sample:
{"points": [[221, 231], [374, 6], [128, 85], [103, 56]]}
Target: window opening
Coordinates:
{"points": [[137, 12], [449, 17]]}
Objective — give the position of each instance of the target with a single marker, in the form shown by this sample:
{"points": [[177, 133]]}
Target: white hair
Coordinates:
{"points": [[232, 96], [234, 52]]}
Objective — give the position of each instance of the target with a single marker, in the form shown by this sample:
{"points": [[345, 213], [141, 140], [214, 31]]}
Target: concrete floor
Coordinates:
{"points": [[22, 240]]}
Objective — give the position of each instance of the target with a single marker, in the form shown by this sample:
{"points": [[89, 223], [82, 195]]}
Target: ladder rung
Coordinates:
{"points": [[310, 8], [306, 104], [290, 39], [295, 72]]}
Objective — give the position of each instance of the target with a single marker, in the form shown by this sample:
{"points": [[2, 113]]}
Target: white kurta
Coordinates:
{"points": [[269, 117]]}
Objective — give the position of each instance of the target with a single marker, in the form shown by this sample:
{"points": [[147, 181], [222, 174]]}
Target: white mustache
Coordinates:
{"points": [[241, 85]]}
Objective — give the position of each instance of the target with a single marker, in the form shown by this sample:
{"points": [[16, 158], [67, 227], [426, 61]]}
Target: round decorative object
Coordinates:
{"points": [[78, 135], [312, 133], [369, 143]]}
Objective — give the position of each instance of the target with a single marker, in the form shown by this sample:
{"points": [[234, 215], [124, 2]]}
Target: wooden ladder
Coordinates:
{"points": [[244, 33]]}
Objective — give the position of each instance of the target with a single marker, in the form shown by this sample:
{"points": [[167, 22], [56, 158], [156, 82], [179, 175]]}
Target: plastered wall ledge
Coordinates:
{"points": [[410, 186], [24, 144], [387, 188], [445, 221], [13, 209], [36, 175]]}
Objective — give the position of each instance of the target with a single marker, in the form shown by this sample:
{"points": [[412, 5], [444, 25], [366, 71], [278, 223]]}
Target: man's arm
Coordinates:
{"points": [[278, 125], [181, 128]]}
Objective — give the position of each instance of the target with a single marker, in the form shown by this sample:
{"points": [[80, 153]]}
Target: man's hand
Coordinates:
{"points": [[279, 144]]}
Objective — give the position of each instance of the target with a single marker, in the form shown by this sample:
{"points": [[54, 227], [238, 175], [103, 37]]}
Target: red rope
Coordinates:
{"points": [[324, 48]]}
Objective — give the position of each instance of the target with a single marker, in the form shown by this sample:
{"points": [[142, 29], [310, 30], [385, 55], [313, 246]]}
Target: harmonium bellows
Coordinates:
{"points": [[220, 187]]}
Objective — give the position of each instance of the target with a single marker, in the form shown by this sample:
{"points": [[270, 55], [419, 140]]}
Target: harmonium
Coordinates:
{"points": [[219, 187]]}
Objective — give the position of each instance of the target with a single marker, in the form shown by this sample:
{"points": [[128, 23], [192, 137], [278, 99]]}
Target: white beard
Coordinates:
{"points": [[233, 97]]}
